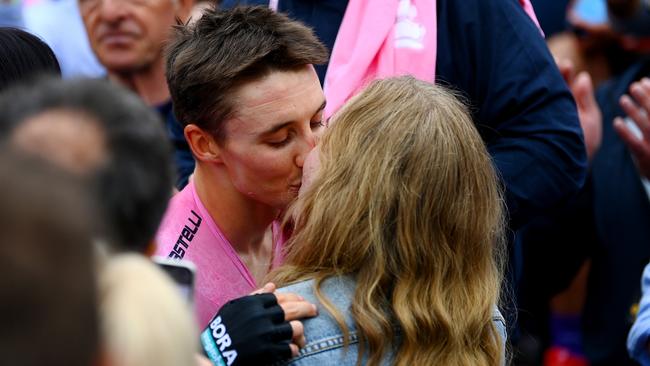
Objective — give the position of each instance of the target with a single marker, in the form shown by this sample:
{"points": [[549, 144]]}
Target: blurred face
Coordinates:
{"points": [[68, 139], [128, 35], [277, 122]]}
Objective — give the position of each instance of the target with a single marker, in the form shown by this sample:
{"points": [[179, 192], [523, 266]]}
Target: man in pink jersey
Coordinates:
{"points": [[101, 132], [244, 88]]}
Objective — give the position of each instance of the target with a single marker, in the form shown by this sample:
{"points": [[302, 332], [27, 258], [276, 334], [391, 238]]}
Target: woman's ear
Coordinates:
{"points": [[203, 145]]}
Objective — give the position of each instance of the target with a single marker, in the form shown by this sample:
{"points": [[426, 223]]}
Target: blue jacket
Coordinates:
{"points": [[492, 53], [621, 220], [324, 338]]}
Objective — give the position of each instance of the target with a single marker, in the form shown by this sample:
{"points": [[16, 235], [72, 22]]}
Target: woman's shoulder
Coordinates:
{"points": [[324, 337], [339, 290], [500, 323]]}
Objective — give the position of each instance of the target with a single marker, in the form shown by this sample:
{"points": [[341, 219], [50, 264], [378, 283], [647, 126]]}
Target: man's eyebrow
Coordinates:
{"points": [[282, 125]]}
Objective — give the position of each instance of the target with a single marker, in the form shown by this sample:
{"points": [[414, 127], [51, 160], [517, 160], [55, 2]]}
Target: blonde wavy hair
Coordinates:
{"points": [[145, 319], [408, 202]]}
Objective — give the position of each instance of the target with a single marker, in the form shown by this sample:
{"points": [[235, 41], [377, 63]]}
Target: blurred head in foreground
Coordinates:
{"points": [[145, 320], [48, 305], [104, 134]]}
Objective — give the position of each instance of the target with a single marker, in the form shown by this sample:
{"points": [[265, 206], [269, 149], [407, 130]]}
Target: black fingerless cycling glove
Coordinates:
{"points": [[248, 331]]}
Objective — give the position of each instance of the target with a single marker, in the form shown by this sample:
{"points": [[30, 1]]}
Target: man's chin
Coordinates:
{"points": [[122, 64], [287, 199]]}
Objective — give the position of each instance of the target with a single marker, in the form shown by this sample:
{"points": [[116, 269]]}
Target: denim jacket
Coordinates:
{"points": [[324, 339]]}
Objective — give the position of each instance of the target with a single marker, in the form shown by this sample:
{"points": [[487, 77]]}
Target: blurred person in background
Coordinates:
{"points": [[621, 211], [608, 222], [583, 46], [589, 42], [128, 38], [48, 307]]}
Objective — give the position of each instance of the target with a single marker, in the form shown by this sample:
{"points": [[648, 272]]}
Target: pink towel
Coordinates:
{"points": [[528, 8], [379, 39]]}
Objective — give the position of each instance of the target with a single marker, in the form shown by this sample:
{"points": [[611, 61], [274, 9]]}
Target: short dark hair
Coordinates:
{"points": [[134, 185], [226, 48], [24, 56], [48, 310]]}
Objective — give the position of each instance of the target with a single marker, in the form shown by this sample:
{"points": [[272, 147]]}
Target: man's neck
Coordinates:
{"points": [[149, 83], [243, 221]]}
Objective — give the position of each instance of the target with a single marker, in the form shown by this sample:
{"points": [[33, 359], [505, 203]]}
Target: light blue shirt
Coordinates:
{"points": [[59, 24], [11, 14], [637, 340]]}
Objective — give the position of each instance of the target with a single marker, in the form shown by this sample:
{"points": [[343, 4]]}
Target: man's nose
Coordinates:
{"points": [[310, 141], [112, 10]]}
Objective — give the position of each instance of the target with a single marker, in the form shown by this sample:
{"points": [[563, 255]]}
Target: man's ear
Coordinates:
{"points": [[203, 145]]}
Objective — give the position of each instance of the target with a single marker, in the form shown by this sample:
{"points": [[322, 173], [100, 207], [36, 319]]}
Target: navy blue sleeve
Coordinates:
{"points": [[182, 155], [491, 52]]}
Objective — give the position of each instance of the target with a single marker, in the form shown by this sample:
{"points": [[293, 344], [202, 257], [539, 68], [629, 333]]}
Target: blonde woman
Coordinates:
{"points": [[398, 235]]}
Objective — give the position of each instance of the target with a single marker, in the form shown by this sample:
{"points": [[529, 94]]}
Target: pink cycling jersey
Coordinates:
{"points": [[188, 232]]}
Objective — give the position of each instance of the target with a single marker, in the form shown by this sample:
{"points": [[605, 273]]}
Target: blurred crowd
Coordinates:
{"points": [[325, 182]]}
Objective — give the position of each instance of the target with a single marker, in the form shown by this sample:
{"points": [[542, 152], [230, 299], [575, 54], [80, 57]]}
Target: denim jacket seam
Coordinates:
{"points": [[322, 345], [326, 344]]}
